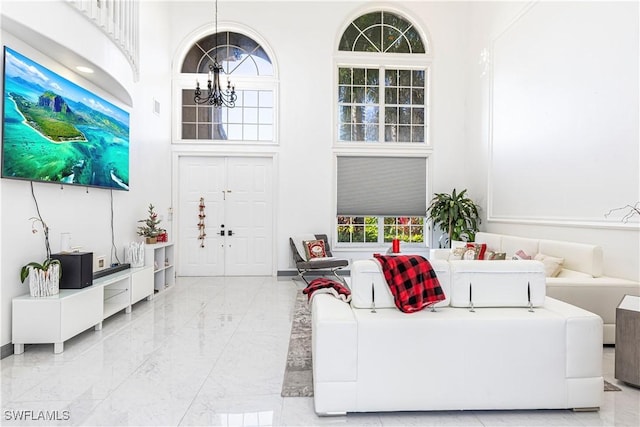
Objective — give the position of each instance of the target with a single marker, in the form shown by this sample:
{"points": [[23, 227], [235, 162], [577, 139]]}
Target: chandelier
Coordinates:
{"points": [[215, 95]]}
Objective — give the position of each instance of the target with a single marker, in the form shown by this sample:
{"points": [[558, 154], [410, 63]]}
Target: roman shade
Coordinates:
{"points": [[382, 186]]}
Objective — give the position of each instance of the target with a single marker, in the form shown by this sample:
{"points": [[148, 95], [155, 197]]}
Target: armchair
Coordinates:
{"points": [[319, 265]]}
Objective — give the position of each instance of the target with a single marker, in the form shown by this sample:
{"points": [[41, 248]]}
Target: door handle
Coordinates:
{"points": [[230, 233], [222, 232]]}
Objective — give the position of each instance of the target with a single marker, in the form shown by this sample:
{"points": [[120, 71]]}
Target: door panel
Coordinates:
{"points": [[201, 177], [238, 194]]}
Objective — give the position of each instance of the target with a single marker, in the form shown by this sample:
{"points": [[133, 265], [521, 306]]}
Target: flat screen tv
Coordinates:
{"points": [[57, 131]]}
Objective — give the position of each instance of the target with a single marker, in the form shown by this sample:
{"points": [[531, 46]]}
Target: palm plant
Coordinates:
{"points": [[455, 214]]}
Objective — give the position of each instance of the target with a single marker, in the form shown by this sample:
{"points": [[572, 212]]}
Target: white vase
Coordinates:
{"points": [[43, 283]]}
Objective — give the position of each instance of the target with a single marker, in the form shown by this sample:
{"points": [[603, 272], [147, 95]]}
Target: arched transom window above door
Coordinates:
{"points": [[248, 66]]}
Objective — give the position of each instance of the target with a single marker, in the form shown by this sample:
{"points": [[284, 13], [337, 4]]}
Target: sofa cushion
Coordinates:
{"points": [[511, 245], [497, 284]]}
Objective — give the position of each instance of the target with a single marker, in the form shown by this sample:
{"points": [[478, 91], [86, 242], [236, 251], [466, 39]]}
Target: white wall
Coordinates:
{"points": [[553, 125], [86, 214], [304, 36]]}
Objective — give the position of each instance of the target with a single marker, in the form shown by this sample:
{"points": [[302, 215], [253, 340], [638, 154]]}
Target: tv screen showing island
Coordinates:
{"points": [[57, 131]]}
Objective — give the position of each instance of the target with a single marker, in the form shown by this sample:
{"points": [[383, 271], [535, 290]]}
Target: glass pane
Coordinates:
{"points": [[371, 233], [344, 94], [187, 96], [344, 235], [344, 114], [266, 98], [417, 78], [371, 96], [363, 45], [417, 134], [389, 220], [344, 132], [250, 132], [404, 77], [404, 133], [265, 116], [358, 94], [348, 37], [265, 133], [358, 133], [234, 132], [395, 42], [415, 41], [358, 234], [250, 98], [188, 114], [359, 77], [404, 96], [344, 76], [417, 96], [188, 131], [204, 132], [390, 133], [391, 95], [358, 115], [405, 115], [370, 115], [204, 114], [374, 35], [369, 19], [417, 116], [373, 77], [391, 78], [234, 115], [251, 115], [395, 21], [371, 133], [391, 115]]}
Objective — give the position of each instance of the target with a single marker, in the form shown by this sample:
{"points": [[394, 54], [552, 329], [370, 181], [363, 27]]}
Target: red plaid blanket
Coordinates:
{"points": [[412, 281], [328, 286]]}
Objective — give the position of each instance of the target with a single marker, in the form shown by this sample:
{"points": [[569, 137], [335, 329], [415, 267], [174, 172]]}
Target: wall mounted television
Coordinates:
{"points": [[56, 131]]}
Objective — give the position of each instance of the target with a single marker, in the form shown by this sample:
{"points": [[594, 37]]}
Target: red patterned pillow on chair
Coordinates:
{"points": [[314, 249]]}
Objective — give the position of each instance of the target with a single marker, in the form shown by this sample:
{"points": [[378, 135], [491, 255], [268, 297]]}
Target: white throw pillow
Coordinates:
{"points": [[552, 265]]}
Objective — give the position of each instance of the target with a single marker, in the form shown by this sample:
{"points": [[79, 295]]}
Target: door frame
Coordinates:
{"points": [[175, 207]]}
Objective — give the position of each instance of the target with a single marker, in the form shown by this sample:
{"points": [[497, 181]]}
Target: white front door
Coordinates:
{"points": [[237, 195]]}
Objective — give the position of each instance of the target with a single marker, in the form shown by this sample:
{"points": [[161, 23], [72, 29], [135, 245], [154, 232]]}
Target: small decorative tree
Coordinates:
{"points": [[150, 229]]}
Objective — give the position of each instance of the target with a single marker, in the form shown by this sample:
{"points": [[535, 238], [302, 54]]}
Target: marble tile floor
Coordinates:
{"points": [[212, 351]]}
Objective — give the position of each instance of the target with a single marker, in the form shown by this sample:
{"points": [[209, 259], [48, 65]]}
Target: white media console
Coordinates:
{"points": [[55, 319]]}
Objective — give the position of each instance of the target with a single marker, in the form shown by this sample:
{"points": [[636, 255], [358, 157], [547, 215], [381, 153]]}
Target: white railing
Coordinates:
{"points": [[119, 20]]}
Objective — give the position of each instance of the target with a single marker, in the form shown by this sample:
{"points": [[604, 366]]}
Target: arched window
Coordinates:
{"points": [[382, 102], [250, 69], [385, 103]]}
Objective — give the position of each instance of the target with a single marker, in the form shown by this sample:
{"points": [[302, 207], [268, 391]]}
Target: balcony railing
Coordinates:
{"points": [[119, 20]]}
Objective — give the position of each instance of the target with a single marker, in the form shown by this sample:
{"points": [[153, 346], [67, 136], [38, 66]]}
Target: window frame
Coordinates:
{"points": [[187, 81], [408, 61]]}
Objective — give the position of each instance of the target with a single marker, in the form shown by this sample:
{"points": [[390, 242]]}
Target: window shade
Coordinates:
{"points": [[382, 186]]}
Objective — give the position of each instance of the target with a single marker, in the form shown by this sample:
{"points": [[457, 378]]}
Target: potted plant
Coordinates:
{"points": [[44, 278], [150, 229], [456, 214]]}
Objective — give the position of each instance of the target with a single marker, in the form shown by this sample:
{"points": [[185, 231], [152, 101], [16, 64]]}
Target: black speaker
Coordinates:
{"points": [[77, 269]]}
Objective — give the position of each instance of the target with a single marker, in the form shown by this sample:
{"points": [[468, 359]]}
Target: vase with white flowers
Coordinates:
{"points": [[44, 278]]}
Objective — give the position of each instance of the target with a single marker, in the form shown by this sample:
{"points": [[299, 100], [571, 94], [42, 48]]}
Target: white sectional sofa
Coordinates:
{"points": [[580, 282], [506, 357]]}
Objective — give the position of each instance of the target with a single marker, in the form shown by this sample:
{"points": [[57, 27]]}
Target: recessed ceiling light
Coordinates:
{"points": [[84, 69]]}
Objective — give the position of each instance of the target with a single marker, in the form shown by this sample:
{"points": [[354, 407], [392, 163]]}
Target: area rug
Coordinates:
{"points": [[298, 378], [298, 374], [610, 387]]}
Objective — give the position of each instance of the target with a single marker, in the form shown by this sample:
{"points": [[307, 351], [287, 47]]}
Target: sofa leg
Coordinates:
{"points": [[331, 414], [591, 409]]}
